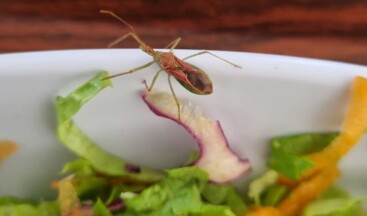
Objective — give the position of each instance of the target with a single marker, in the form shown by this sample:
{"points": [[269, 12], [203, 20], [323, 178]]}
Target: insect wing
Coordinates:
{"points": [[195, 80]]}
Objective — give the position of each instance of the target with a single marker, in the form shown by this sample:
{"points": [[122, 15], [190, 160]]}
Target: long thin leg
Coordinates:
{"points": [[174, 96], [173, 44], [149, 88], [143, 46], [207, 52], [131, 71], [118, 40]]}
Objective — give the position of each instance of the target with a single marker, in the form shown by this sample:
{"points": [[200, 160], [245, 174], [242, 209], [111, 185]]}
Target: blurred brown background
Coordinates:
{"points": [[327, 29]]}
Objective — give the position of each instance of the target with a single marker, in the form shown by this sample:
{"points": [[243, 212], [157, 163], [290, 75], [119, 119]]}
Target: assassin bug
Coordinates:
{"points": [[190, 77]]}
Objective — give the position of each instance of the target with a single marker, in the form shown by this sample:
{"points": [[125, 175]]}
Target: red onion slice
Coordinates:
{"points": [[216, 157]]}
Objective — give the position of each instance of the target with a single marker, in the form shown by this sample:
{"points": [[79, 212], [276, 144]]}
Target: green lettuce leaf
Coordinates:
{"points": [[287, 153], [225, 195], [13, 200], [335, 202], [194, 156], [265, 191], [90, 187], [178, 194], [76, 141], [274, 195], [292, 166], [259, 185], [79, 167], [100, 209], [89, 184], [118, 190], [15, 207]]}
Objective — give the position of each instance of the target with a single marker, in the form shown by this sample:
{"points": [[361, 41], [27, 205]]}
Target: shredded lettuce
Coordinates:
{"points": [[79, 167], [287, 153], [13, 200], [259, 185], [100, 209], [193, 157], [335, 202], [89, 183], [16, 207], [118, 191], [76, 141], [178, 194], [90, 187], [274, 195], [225, 195]]}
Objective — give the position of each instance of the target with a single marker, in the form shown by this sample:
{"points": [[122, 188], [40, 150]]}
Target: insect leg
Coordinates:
{"points": [[118, 40], [130, 71], [173, 44], [207, 52], [174, 96], [143, 46], [149, 88]]}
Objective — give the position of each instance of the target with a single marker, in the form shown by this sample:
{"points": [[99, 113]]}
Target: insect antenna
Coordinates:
{"points": [[133, 34], [119, 18]]}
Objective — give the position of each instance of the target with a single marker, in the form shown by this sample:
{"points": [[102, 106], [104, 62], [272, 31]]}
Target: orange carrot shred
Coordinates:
{"points": [[7, 148], [307, 191], [325, 172], [264, 211]]}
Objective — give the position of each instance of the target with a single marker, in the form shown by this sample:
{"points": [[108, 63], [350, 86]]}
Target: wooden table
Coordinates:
{"points": [[327, 29]]}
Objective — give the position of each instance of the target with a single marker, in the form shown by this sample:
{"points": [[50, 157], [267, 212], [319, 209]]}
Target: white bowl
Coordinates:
{"points": [[270, 96]]}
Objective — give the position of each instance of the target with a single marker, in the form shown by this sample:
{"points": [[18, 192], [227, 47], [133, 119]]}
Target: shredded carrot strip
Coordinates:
{"points": [[354, 126], [7, 148], [264, 211], [283, 180], [324, 173], [307, 191], [77, 212]]}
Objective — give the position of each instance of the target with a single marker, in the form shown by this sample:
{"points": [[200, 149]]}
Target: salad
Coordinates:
{"points": [[299, 180]]}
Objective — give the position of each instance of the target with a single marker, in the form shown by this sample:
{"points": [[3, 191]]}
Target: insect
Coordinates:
{"points": [[190, 77]]}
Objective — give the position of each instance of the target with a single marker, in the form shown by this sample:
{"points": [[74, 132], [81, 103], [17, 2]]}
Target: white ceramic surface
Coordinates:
{"points": [[270, 96]]}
